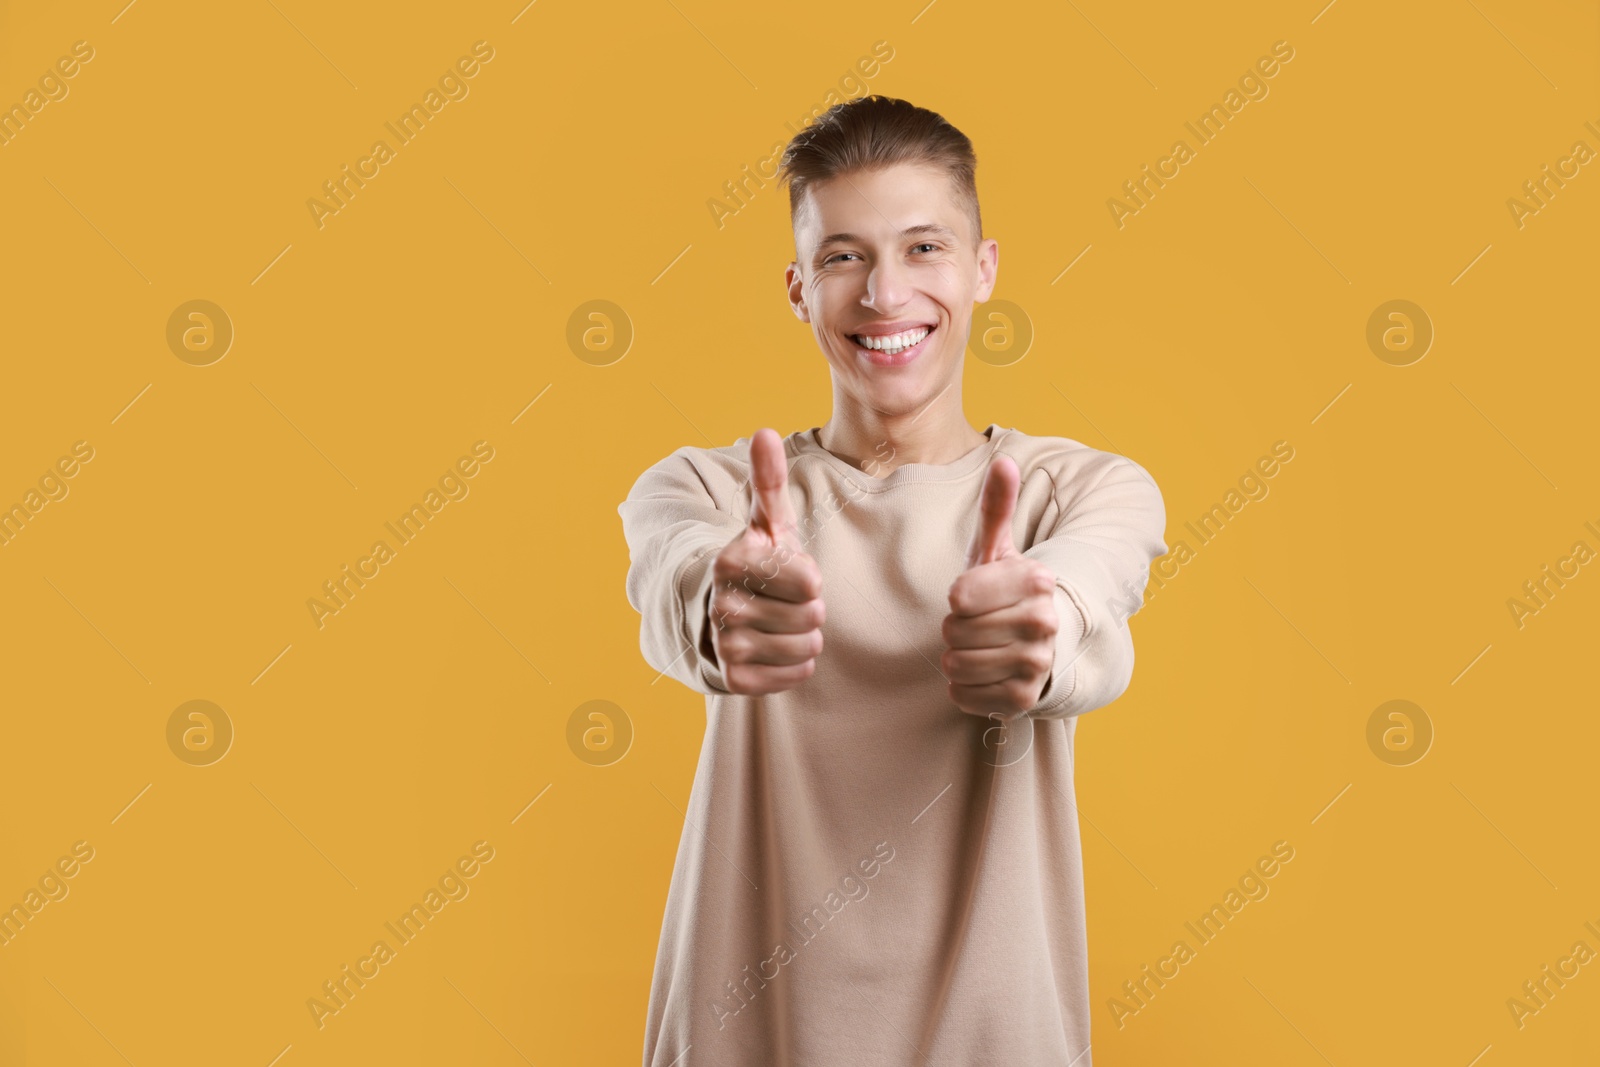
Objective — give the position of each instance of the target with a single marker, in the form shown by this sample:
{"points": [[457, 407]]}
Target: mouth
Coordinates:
{"points": [[895, 350]]}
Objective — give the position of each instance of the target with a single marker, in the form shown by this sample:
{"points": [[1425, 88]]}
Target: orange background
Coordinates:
{"points": [[368, 354]]}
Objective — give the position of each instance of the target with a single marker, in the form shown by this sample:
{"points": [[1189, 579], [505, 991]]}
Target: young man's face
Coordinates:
{"points": [[882, 253]]}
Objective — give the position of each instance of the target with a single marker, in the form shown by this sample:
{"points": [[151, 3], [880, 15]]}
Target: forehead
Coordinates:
{"points": [[882, 204]]}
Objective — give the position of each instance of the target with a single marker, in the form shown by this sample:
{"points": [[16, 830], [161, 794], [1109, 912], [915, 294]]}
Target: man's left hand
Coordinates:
{"points": [[1000, 633]]}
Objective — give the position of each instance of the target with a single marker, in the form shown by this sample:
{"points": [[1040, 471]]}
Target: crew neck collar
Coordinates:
{"points": [[807, 444]]}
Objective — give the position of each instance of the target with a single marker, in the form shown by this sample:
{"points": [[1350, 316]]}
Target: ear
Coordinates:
{"points": [[797, 292], [988, 269]]}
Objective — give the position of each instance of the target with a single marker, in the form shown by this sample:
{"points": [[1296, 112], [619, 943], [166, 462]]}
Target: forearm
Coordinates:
{"points": [[1100, 552]]}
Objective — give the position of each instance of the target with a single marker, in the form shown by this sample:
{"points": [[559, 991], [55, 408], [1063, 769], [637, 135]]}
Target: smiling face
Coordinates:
{"points": [[887, 276]]}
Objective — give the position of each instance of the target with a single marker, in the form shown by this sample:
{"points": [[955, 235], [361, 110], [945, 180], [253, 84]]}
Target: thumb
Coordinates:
{"points": [[770, 509], [997, 503]]}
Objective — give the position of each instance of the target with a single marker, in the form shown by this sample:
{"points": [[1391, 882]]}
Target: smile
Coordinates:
{"points": [[894, 350]]}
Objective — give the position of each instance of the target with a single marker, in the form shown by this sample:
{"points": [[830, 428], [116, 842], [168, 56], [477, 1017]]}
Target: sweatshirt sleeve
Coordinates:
{"points": [[1100, 546], [674, 530]]}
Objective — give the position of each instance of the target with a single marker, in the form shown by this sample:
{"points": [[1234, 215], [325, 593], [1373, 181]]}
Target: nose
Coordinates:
{"points": [[888, 285]]}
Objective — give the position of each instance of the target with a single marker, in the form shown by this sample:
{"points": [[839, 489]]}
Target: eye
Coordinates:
{"points": [[926, 244], [835, 256]]}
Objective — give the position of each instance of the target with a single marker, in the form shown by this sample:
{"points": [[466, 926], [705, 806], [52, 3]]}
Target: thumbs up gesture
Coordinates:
{"points": [[765, 607], [1000, 633]]}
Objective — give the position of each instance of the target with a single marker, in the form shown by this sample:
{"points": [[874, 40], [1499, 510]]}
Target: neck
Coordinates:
{"points": [[879, 442]]}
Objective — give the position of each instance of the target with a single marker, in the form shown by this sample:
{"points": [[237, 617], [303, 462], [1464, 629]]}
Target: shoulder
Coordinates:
{"points": [[719, 473], [1076, 469]]}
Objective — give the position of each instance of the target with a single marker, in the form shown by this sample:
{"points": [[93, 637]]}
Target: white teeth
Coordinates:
{"points": [[894, 342]]}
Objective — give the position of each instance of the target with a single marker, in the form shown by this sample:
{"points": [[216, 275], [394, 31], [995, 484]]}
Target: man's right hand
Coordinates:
{"points": [[765, 606]]}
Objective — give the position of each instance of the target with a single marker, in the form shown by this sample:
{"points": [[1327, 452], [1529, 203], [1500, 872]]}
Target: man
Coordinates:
{"points": [[896, 620]]}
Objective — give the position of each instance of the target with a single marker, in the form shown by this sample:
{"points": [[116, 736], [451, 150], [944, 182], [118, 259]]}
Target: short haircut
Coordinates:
{"points": [[874, 132]]}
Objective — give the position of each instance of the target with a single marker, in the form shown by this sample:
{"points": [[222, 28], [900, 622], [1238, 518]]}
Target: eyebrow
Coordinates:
{"points": [[923, 230]]}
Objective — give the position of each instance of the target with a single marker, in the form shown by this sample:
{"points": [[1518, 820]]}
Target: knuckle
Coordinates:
{"points": [[736, 646], [958, 597], [1052, 621], [1044, 579], [810, 577], [1041, 626]]}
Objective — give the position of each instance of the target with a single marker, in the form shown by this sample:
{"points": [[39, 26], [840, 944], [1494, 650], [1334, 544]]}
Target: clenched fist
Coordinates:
{"points": [[1000, 633], [765, 606]]}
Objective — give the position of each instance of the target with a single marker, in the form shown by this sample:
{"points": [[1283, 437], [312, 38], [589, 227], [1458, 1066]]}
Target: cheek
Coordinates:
{"points": [[832, 342]]}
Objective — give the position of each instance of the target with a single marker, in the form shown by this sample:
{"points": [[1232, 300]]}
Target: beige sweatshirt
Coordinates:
{"points": [[869, 874]]}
